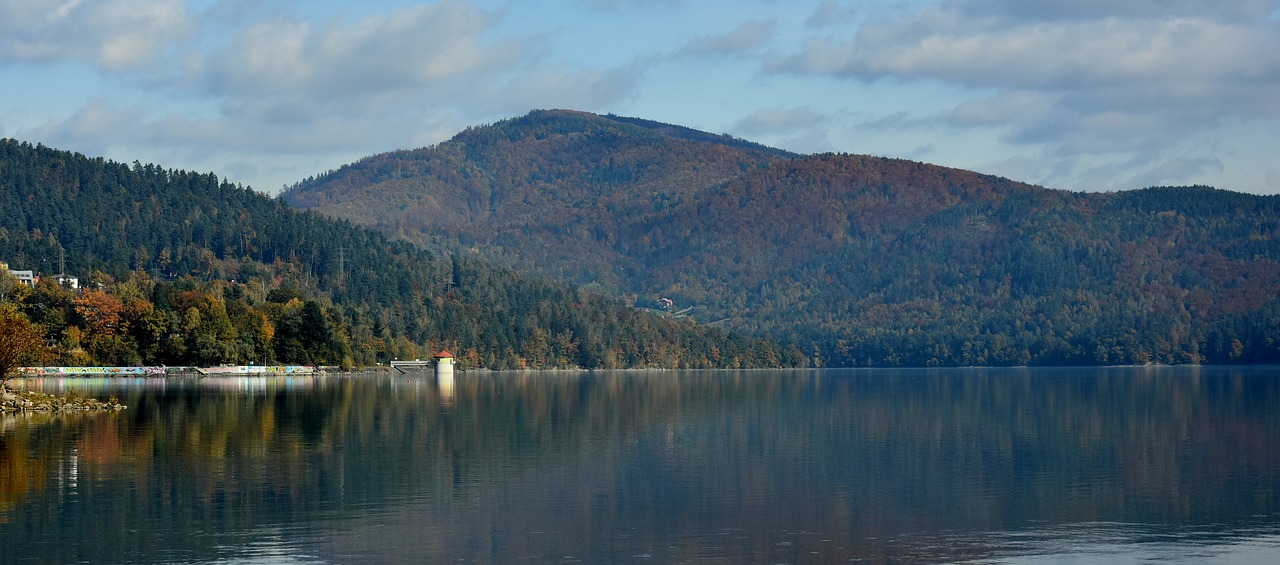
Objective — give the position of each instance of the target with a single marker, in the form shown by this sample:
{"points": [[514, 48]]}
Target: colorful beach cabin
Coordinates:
{"points": [[444, 364]]}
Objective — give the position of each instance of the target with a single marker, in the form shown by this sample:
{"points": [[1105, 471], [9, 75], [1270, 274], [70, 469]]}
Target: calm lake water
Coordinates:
{"points": [[1113, 465]]}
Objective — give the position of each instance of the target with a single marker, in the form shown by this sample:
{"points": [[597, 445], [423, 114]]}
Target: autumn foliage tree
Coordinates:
{"points": [[21, 342], [187, 269], [855, 260]]}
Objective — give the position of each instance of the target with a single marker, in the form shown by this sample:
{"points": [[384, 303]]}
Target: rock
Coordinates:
{"points": [[26, 400]]}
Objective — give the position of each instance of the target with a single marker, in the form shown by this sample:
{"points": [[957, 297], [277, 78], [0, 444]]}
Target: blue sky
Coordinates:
{"points": [[1083, 95]]}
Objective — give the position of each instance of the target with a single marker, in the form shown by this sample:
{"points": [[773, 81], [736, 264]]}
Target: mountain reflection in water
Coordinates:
{"points": [[1007, 465]]}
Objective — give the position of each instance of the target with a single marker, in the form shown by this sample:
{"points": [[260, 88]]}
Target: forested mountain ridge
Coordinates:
{"points": [[535, 185], [196, 270], [857, 260]]}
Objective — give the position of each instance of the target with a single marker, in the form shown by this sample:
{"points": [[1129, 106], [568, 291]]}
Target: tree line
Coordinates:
{"points": [[853, 259], [202, 271]]}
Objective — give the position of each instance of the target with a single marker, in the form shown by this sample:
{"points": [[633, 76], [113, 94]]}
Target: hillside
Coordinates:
{"points": [[531, 191], [856, 260], [216, 273]]}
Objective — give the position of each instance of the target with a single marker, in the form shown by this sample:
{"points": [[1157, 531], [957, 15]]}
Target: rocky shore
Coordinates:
{"points": [[34, 401]]}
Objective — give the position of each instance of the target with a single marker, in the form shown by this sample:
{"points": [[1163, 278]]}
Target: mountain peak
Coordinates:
{"points": [[566, 122], [902, 262]]}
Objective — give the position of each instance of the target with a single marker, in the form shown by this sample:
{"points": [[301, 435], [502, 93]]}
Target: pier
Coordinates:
{"points": [[443, 364], [415, 365]]}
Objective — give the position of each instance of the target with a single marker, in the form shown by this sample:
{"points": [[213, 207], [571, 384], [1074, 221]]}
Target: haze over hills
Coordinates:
{"points": [[857, 260]]}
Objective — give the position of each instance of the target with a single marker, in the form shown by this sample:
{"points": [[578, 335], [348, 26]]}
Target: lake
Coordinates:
{"points": [[1109, 465]]}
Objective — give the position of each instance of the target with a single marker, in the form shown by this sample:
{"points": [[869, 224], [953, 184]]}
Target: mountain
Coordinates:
{"points": [[856, 260], [530, 191], [216, 273]]}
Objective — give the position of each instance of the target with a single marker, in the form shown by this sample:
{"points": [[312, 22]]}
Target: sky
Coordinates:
{"points": [[1086, 95]]}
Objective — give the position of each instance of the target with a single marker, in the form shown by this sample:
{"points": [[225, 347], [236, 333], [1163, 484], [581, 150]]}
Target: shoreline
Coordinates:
{"points": [[163, 371], [12, 400]]}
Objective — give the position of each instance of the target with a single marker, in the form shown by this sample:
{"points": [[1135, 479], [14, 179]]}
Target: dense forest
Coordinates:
{"points": [[182, 268], [544, 192], [855, 260]]}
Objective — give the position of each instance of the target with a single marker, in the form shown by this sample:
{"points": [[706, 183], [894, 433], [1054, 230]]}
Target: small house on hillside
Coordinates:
{"points": [[25, 277]]}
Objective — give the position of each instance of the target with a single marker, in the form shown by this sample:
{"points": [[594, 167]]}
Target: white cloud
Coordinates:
{"points": [[114, 35], [1095, 77], [100, 125], [95, 120], [587, 89], [1240, 10], [779, 120], [1176, 171], [323, 89], [746, 38], [1069, 55], [831, 13], [614, 5], [393, 68], [1088, 93], [999, 109], [796, 128], [268, 155], [330, 66]]}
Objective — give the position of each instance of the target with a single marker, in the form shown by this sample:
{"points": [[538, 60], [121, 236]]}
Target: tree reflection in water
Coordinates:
{"points": [[792, 466]]}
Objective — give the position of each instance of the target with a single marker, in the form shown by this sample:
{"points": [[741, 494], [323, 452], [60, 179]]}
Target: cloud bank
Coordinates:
{"points": [[1076, 79], [1089, 94]]}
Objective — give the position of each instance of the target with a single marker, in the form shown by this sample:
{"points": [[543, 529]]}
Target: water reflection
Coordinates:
{"points": [[1125, 543], [445, 383], [795, 466]]}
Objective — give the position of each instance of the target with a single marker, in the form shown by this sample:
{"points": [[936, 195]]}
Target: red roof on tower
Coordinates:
{"points": [[444, 354]]}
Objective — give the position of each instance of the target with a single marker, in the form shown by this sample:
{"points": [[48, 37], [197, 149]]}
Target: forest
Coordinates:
{"points": [[182, 268], [854, 260]]}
